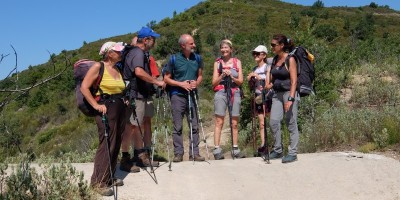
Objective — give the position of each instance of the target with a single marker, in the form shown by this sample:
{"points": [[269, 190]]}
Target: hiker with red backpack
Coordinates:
{"points": [[283, 80], [257, 79], [183, 74], [140, 90], [227, 77], [110, 118]]}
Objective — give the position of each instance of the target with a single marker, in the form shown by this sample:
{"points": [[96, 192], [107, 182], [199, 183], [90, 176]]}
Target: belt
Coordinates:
{"points": [[111, 96]]}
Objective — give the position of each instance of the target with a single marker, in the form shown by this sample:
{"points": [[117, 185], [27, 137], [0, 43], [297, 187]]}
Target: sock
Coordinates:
{"points": [[216, 147], [235, 146]]}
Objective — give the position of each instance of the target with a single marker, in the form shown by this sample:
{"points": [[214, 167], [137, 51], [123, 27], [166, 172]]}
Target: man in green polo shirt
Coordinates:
{"points": [[184, 75]]}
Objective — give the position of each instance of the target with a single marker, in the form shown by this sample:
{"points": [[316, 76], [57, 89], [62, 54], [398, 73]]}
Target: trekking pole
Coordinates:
{"points": [[266, 151], [106, 128], [253, 111], [200, 120], [191, 123], [133, 107], [153, 143], [228, 91], [165, 101], [253, 123]]}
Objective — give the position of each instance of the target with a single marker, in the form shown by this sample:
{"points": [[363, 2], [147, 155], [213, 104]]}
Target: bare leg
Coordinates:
{"points": [[219, 122], [235, 130]]}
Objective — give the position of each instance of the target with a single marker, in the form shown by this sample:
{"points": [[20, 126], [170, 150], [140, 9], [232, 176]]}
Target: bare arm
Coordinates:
{"points": [[87, 82], [216, 76], [183, 84], [140, 73], [293, 76], [293, 82]]}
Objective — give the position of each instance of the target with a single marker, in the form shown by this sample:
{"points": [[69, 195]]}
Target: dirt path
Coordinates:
{"points": [[331, 175]]}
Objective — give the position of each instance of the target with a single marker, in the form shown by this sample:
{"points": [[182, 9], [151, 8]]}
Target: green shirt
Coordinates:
{"points": [[184, 69]]}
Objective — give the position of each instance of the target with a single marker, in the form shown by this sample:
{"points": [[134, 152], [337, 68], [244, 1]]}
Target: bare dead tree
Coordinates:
{"points": [[16, 93], [12, 93]]}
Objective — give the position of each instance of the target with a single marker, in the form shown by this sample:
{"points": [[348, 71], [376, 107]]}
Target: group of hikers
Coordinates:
{"points": [[125, 101]]}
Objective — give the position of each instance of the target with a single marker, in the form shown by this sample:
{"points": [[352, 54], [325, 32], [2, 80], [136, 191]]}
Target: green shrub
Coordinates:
{"points": [[58, 181]]}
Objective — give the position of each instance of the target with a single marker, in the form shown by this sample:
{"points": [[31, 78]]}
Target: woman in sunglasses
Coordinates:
{"points": [[257, 79], [283, 80], [227, 74]]}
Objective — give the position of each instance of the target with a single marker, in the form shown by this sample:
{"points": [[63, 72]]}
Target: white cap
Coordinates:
{"points": [[261, 49]]}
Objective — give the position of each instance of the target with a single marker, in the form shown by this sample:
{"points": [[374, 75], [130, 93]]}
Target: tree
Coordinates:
{"points": [[373, 5], [318, 4], [151, 24], [365, 27]]}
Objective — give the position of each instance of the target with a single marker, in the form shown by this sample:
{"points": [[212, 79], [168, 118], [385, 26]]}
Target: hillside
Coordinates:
{"points": [[347, 42]]}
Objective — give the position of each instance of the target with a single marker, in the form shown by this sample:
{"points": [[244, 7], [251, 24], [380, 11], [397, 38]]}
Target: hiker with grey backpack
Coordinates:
{"points": [[286, 99]]}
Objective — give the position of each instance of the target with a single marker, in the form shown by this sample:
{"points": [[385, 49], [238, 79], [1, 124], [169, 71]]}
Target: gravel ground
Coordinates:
{"points": [[319, 176]]}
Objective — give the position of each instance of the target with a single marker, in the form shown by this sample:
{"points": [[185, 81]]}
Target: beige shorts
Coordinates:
{"points": [[144, 108]]}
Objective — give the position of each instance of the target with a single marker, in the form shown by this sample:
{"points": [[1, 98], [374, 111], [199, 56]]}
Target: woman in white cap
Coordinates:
{"points": [[257, 79], [110, 106]]}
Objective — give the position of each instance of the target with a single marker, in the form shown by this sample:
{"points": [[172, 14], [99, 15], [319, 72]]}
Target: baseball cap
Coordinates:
{"points": [[110, 46], [147, 32], [261, 49]]}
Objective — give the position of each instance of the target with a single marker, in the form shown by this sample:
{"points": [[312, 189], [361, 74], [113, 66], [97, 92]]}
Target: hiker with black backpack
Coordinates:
{"points": [[110, 118], [140, 89], [183, 74], [227, 77], [285, 101], [257, 80]]}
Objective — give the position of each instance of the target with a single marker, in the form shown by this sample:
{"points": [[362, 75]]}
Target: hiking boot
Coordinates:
{"points": [[144, 160], [261, 150], [217, 152], [117, 182], [178, 158], [126, 165], [275, 155], [289, 158], [106, 191], [197, 158], [238, 154]]}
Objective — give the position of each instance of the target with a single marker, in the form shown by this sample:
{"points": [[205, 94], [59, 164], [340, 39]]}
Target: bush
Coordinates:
{"points": [[326, 31], [56, 182]]}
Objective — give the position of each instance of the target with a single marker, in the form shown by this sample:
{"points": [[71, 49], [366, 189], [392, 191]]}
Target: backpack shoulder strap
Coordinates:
{"points": [[99, 78], [235, 66], [198, 58]]}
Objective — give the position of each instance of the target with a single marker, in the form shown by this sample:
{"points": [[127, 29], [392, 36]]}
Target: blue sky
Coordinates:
{"points": [[35, 27]]}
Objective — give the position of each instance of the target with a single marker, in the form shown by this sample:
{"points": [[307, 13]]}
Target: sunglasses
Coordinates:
{"points": [[274, 45], [257, 53]]}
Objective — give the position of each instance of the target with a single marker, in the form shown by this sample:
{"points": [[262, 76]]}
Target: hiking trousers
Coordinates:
{"points": [[277, 113], [116, 119], [180, 107]]}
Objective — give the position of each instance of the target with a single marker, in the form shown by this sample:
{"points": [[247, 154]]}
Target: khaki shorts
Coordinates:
{"points": [[220, 103], [144, 108]]}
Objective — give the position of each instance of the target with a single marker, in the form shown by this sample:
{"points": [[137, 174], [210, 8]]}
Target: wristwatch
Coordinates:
{"points": [[290, 98]]}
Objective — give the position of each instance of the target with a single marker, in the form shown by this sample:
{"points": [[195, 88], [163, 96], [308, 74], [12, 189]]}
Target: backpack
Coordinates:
{"points": [[305, 70], [216, 88], [147, 89], [171, 62], [81, 67]]}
